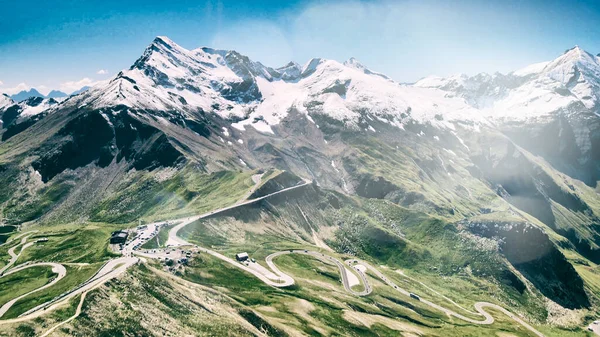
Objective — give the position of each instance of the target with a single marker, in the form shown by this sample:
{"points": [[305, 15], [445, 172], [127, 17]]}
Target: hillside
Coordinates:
{"points": [[484, 187]]}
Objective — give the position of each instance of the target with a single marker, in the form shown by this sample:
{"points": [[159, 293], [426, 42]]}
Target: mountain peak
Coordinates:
{"points": [[311, 66], [56, 94], [5, 101], [290, 71], [575, 54], [575, 49], [164, 41], [571, 63], [25, 94], [161, 51], [289, 65], [354, 63]]}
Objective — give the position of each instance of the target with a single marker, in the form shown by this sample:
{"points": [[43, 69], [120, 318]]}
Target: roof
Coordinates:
{"points": [[244, 254]]}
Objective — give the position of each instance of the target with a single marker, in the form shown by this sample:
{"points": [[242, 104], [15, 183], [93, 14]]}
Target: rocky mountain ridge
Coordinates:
{"points": [[444, 147]]}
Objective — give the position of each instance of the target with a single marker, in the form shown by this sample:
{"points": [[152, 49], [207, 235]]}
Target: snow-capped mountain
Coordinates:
{"points": [[25, 94], [32, 106], [184, 86], [17, 116], [217, 92], [56, 94], [550, 108], [170, 78], [5, 101], [568, 83]]}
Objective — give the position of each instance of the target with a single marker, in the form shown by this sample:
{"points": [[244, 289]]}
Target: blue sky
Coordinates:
{"points": [[66, 44]]}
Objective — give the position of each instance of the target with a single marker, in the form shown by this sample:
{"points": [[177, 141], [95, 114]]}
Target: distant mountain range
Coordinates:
{"points": [[25, 94]]}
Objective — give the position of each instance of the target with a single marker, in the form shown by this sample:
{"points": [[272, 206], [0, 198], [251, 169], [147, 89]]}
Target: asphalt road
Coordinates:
{"points": [[288, 280], [327, 259], [594, 327], [175, 240], [117, 266], [479, 306], [110, 270], [13, 256], [58, 269]]}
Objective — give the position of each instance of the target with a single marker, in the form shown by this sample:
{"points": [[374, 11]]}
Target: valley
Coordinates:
{"points": [[459, 206], [280, 279]]}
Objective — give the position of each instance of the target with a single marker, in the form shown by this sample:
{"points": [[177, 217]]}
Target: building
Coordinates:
{"points": [[118, 237], [42, 240], [241, 256]]}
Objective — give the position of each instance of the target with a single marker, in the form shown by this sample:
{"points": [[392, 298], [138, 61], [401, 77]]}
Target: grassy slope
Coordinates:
{"points": [[394, 237], [416, 248], [143, 303], [23, 281], [75, 276], [452, 262], [83, 250], [186, 192], [88, 244], [70, 243], [318, 284]]}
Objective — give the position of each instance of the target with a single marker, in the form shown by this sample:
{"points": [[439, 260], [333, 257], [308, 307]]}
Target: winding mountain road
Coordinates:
{"points": [[479, 306], [77, 313], [110, 270], [284, 280], [327, 259], [58, 269], [114, 267], [275, 278], [13, 256]]}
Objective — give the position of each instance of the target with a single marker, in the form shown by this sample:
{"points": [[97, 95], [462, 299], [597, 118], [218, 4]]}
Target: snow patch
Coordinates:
{"points": [[461, 141]]}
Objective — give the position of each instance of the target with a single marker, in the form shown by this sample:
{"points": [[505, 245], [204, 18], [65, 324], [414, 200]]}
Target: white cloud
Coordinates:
{"points": [[70, 86], [1, 83], [405, 39], [42, 89], [20, 87], [102, 72]]}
